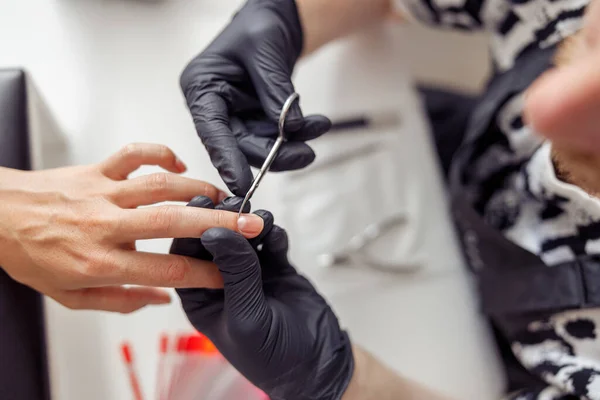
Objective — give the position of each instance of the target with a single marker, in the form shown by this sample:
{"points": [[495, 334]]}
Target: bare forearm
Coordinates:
{"points": [[9, 179], [326, 20], [9, 176], [374, 381]]}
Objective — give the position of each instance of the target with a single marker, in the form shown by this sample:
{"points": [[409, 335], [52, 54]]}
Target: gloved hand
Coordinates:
{"points": [[268, 321], [235, 90]]}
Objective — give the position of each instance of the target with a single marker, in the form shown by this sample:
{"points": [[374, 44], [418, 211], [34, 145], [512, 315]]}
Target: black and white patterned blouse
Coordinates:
{"points": [[517, 191]]}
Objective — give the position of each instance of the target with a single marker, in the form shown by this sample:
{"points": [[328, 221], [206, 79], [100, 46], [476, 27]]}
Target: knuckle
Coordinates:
{"points": [[114, 192], [91, 268], [96, 266], [164, 218], [130, 150], [101, 224], [188, 75], [224, 219], [218, 218], [111, 224], [176, 271], [98, 217], [258, 31], [119, 223], [159, 184]]}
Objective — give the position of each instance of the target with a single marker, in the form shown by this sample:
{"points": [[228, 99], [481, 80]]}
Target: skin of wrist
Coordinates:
{"points": [[323, 22], [10, 180], [356, 385]]}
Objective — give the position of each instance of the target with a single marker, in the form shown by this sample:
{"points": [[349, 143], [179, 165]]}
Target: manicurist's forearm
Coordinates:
{"points": [[374, 381], [326, 20]]}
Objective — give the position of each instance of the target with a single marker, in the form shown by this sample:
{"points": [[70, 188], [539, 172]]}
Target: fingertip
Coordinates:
{"points": [[180, 165], [267, 218], [292, 156], [187, 75], [319, 121], [562, 105], [222, 196], [250, 225], [277, 240], [233, 204], [201, 202], [293, 124], [314, 127], [213, 237], [294, 119], [541, 104], [268, 222], [217, 233], [191, 248]]}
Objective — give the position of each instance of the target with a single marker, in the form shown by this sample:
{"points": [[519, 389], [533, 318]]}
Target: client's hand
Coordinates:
{"points": [[268, 321], [564, 105], [70, 233]]}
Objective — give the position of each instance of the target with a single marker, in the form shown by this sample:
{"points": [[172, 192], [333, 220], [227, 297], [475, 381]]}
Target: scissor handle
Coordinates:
{"points": [[284, 112]]}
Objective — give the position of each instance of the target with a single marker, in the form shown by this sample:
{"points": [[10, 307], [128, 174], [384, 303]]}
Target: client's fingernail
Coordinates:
{"points": [[250, 225], [222, 196]]}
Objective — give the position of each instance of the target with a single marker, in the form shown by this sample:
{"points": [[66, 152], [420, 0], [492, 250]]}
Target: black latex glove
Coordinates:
{"points": [[268, 321], [235, 90]]}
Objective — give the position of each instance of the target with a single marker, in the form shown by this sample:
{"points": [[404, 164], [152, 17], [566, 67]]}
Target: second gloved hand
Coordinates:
{"points": [[268, 321], [235, 90]]}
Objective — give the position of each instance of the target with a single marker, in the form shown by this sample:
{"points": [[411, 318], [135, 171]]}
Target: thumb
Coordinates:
{"points": [[240, 268], [562, 105], [591, 27]]}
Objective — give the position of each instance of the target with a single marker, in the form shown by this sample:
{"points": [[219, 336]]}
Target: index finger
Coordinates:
{"points": [[563, 104], [211, 118], [182, 222]]}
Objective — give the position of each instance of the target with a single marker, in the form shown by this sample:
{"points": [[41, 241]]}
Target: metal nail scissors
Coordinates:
{"points": [[281, 139]]}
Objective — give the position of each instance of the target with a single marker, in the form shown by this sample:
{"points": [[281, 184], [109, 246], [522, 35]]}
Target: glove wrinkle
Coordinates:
{"points": [[268, 321], [246, 73]]}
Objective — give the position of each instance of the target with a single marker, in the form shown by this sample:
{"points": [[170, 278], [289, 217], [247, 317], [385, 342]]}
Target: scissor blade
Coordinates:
{"points": [[273, 153], [263, 171], [246, 199]]}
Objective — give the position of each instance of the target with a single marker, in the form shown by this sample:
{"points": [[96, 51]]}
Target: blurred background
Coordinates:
{"points": [[104, 73]]}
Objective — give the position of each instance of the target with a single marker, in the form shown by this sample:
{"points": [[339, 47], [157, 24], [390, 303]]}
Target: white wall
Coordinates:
{"points": [[108, 71]]}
